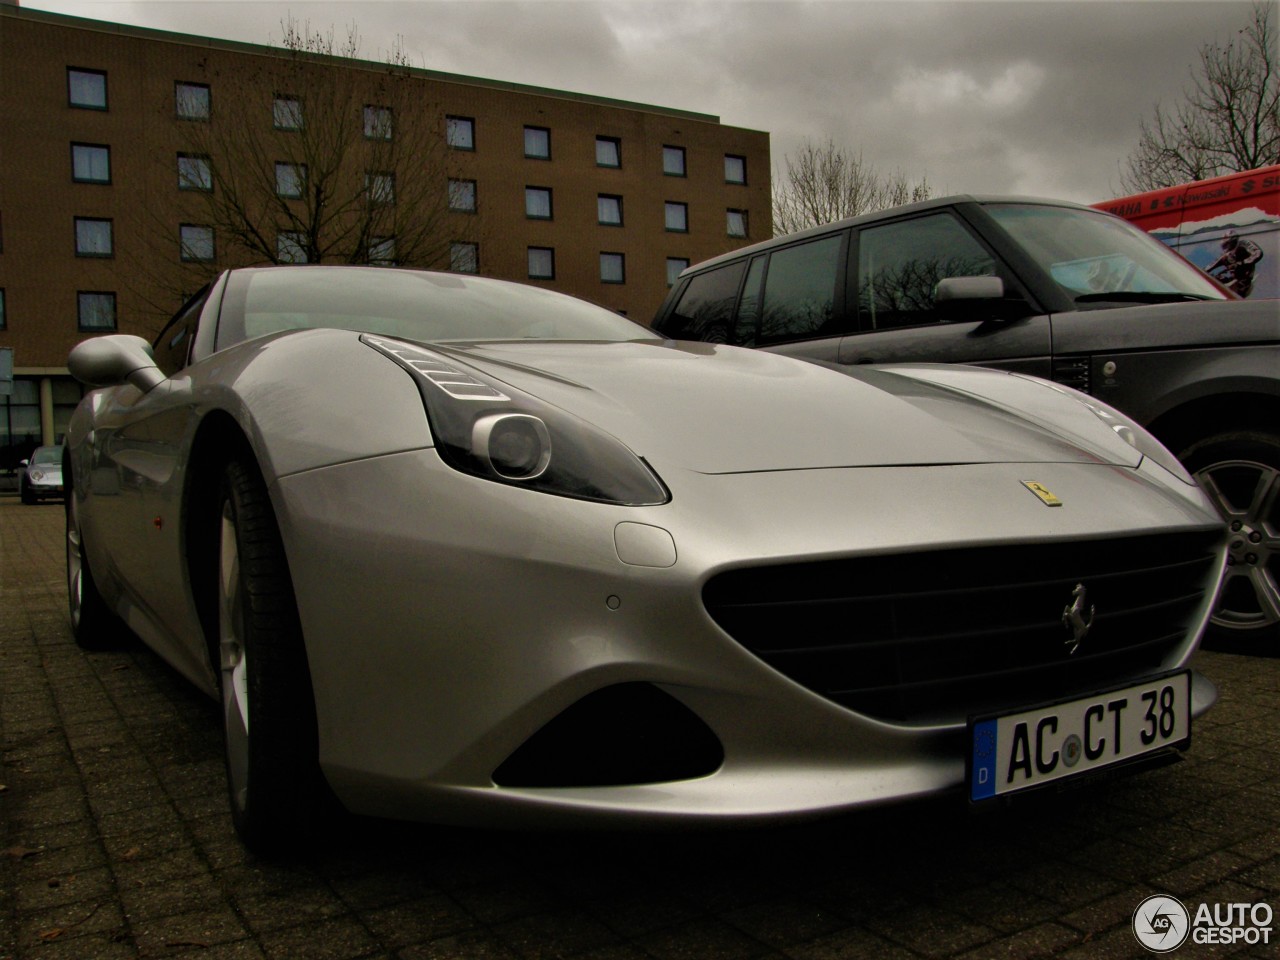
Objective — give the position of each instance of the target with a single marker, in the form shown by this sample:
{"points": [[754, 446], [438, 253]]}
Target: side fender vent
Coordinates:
{"points": [[1072, 372], [628, 733]]}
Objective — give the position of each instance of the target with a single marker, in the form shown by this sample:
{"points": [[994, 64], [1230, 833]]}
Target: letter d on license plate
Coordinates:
{"points": [[1026, 749]]}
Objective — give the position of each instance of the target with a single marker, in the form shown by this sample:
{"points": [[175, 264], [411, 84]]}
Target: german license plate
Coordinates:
{"points": [[1038, 746]]}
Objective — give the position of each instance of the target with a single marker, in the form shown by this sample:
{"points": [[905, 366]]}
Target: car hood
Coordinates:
{"points": [[1161, 325], [719, 409]]}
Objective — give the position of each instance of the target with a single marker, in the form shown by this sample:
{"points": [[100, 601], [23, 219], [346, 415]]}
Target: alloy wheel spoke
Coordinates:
{"points": [[233, 660], [1209, 484], [1264, 494], [1268, 594]]}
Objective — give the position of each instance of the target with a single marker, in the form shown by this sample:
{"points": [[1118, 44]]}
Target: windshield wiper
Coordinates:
{"points": [[1137, 296]]}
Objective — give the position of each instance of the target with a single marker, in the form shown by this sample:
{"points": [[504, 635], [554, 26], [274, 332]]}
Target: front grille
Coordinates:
{"points": [[1072, 372], [936, 636]]}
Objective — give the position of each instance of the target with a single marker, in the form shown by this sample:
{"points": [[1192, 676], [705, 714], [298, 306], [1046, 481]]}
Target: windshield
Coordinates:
{"points": [[1097, 258], [409, 304], [47, 455]]}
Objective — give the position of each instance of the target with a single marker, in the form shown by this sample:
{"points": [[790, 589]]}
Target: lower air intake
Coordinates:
{"points": [[629, 733]]}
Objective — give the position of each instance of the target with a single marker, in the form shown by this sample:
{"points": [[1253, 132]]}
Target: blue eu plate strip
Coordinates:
{"points": [[983, 784]]}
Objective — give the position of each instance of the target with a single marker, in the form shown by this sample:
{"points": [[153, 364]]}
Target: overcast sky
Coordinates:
{"points": [[1039, 97]]}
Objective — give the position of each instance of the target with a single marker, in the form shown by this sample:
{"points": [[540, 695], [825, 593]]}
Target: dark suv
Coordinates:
{"points": [[1054, 289]]}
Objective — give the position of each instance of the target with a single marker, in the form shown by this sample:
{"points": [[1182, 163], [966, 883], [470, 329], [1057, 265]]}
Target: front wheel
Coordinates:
{"points": [[93, 625], [273, 772], [1240, 472]]}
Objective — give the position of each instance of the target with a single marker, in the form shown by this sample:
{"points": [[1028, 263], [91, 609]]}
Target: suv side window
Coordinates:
{"points": [[705, 309], [900, 264], [800, 290], [747, 329]]}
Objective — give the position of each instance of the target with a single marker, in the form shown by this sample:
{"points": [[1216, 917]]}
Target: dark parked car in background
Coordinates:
{"points": [[40, 477], [1055, 289]]}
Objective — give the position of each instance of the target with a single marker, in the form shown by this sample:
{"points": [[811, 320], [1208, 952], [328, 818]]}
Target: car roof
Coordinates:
{"points": [[865, 218]]}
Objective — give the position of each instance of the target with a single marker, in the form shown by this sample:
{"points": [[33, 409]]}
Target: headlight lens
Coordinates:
{"points": [[1137, 437], [491, 430]]}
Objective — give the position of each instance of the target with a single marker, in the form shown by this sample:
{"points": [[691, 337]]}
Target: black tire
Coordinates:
{"points": [[1240, 471], [25, 493], [276, 789], [93, 624]]}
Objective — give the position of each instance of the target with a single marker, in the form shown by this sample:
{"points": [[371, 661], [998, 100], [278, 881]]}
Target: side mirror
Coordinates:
{"points": [[968, 289], [23, 463], [112, 360], [974, 298]]}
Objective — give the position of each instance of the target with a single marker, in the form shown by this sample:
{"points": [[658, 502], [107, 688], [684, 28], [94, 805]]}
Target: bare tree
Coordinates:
{"points": [[1228, 121], [822, 183], [311, 155]]}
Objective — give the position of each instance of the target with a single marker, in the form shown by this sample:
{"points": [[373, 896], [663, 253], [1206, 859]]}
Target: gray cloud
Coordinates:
{"points": [[1012, 97]]}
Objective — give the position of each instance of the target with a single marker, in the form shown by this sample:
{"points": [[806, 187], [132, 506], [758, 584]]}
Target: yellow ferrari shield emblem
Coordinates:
{"points": [[1043, 492]]}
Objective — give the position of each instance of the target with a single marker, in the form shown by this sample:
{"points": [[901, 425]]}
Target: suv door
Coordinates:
{"points": [[898, 267]]}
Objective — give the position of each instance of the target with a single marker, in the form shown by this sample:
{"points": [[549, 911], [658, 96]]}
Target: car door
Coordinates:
{"points": [[135, 488], [895, 270]]}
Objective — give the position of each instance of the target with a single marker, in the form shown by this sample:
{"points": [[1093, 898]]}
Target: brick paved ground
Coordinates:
{"points": [[117, 842]]}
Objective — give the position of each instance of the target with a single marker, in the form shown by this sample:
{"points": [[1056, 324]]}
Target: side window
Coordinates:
{"points": [[799, 291], [747, 329], [900, 264], [173, 346], [705, 309]]}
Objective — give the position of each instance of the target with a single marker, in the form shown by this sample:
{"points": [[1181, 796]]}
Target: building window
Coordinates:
{"points": [[609, 210], [462, 196], [291, 248], [613, 268], [608, 152], [194, 173], [96, 310], [382, 251], [93, 237], [86, 89], [677, 217], [537, 203], [735, 169], [537, 143], [381, 188], [286, 112], [3, 321], [291, 180], [736, 223], [90, 163], [675, 267], [464, 257], [673, 161], [195, 243], [191, 100], [542, 263], [377, 123], [460, 133]]}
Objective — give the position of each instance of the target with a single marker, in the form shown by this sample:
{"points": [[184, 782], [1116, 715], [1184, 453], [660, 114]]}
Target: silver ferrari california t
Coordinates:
{"points": [[462, 550]]}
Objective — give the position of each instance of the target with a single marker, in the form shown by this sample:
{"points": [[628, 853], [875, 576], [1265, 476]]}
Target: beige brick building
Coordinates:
{"points": [[104, 188]]}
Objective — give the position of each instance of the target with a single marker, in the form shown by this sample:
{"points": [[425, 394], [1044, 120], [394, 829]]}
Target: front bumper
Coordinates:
{"points": [[448, 619]]}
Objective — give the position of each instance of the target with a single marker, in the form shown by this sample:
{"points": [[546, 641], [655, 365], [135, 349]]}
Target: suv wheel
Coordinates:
{"points": [[1240, 471]]}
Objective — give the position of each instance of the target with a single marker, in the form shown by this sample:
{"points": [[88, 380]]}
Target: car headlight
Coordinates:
{"points": [[489, 429], [1137, 437], [36, 474]]}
